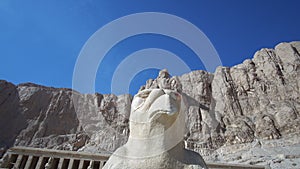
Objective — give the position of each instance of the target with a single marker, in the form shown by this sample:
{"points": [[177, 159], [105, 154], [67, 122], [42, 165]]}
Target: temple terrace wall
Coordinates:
{"points": [[35, 158]]}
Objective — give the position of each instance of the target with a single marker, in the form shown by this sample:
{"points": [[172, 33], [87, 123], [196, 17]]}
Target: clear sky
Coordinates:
{"points": [[40, 40]]}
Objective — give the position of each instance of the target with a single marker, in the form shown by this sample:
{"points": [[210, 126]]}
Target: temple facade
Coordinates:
{"points": [[36, 158]]}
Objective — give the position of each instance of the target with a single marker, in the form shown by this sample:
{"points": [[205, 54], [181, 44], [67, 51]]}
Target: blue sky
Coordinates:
{"points": [[41, 40]]}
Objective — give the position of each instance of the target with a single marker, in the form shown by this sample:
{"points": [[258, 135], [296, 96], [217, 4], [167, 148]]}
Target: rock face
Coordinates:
{"points": [[238, 114], [43, 117]]}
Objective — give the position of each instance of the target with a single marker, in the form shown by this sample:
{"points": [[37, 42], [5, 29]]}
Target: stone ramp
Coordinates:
{"points": [[36, 158]]}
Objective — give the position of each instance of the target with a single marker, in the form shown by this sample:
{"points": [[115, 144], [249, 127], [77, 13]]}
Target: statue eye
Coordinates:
{"points": [[144, 94]]}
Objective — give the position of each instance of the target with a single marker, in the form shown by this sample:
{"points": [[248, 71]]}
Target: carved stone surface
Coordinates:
{"points": [[232, 113], [157, 127]]}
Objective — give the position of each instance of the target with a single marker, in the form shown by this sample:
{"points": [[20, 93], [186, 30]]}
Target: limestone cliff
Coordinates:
{"points": [[233, 114], [45, 117]]}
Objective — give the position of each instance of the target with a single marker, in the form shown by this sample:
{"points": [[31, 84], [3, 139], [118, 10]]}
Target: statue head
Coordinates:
{"points": [[158, 110], [157, 126]]}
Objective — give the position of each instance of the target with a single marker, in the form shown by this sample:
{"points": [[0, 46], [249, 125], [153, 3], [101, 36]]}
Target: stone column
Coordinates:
{"points": [[6, 160], [29, 160], [71, 162], [49, 164], [101, 164], [91, 165], [18, 162], [39, 163], [60, 163], [81, 164]]}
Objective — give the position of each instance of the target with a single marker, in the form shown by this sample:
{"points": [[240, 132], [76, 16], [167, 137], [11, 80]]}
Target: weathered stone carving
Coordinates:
{"points": [[157, 126]]}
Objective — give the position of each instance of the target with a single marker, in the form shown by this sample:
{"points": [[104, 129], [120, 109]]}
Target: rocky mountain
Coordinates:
{"points": [[249, 113]]}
